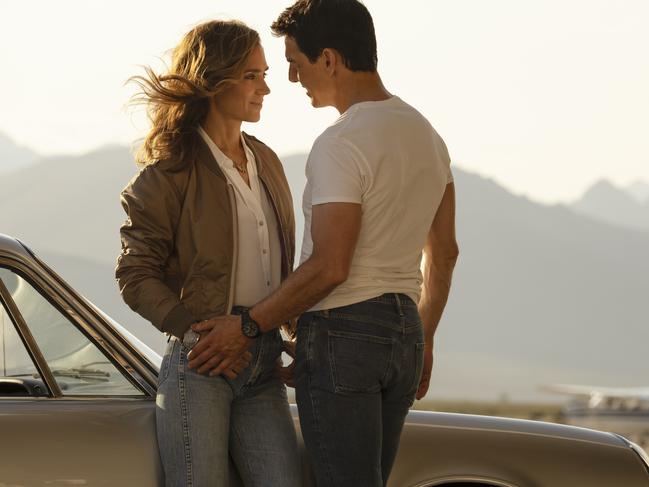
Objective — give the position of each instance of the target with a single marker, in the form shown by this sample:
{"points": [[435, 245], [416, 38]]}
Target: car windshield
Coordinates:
{"points": [[79, 365]]}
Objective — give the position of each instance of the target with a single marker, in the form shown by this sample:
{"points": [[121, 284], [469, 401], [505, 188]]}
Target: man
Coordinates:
{"points": [[379, 189]]}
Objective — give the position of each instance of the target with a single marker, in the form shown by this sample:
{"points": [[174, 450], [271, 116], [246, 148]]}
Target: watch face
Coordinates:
{"points": [[250, 328], [190, 338]]}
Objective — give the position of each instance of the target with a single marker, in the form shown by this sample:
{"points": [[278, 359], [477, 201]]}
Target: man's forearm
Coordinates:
{"points": [[308, 285], [435, 292]]}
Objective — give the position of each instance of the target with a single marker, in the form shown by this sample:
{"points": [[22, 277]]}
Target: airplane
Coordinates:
{"points": [[623, 410]]}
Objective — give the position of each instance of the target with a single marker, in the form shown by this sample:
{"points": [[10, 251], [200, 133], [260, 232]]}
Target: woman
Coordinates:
{"points": [[210, 230]]}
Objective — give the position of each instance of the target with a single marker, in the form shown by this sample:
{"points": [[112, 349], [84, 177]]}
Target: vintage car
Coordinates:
{"points": [[77, 407]]}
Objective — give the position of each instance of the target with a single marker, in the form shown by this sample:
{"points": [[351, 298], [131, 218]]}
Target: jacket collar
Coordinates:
{"points": [[205, 156], [252, 145]]}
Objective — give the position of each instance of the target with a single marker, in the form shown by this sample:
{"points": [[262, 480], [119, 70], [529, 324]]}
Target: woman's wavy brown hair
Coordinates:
{"points": [[209, 58]]}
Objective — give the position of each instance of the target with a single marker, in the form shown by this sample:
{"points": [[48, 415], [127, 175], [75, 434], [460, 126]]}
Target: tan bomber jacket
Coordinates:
{"points": [[179, 240]]}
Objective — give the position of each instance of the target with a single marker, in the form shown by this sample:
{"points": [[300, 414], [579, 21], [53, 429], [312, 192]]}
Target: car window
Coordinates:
{"points": [[18, 374], [78, 365]]}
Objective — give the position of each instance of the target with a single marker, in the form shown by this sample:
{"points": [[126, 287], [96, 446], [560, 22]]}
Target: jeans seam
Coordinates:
{"points": [[237, 437], [166, 364], [314, 407], [366, 319], [361, 337], [256, 368], [185, 419], [334, 375], [419, 347], [388, 369], [309, 348]]}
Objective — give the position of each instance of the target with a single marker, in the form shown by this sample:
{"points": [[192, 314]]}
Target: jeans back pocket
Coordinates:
{"points": [[359, 363]]}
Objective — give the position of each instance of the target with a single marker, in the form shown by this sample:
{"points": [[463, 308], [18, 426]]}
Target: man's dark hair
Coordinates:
{"points": [[343, 25]]}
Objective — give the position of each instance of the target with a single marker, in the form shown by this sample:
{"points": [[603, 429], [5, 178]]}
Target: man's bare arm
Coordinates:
{"points": [[440, 254], [334, 231]]}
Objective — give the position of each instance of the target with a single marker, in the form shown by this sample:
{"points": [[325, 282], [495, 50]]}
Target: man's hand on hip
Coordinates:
{"points": [[221, 348]]}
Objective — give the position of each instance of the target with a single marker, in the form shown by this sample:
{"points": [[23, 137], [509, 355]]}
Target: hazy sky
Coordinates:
{"points": [[544, 96]]}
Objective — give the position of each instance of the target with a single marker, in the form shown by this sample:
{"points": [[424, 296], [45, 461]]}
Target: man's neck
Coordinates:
{"points": [[357, 87]]}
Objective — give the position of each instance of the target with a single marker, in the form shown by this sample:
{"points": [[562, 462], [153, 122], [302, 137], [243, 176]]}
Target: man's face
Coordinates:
{"points": [[312, 76]]}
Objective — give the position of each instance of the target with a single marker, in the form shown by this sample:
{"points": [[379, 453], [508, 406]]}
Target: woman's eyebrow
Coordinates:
{"points": [[257, 70]]}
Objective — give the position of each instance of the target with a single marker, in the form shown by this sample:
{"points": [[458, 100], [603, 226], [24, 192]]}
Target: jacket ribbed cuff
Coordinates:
{"points": [[178, 321]]}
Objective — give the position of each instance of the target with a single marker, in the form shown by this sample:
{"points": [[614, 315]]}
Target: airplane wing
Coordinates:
{"points": [[590, 391]]}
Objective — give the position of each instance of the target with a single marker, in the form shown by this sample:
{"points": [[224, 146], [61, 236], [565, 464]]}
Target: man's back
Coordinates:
{"points": [[387, 157]]}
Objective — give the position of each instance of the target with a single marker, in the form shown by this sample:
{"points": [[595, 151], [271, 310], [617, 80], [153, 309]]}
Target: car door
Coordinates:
{"points": [[77, 405]]}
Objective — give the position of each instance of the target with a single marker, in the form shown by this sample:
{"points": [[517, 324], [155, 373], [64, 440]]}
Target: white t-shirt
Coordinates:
{"points": [[386, 156], [259, 253]]}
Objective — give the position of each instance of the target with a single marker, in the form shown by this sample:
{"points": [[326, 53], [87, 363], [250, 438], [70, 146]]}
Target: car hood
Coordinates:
{"points": [[478, 423]]}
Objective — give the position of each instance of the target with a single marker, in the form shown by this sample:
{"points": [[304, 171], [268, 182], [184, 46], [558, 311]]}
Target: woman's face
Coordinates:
{"points": [[243, 100]]}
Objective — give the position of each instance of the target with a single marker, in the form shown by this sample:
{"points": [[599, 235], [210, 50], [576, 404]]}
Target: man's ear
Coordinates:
{"points": [[330, 58]]}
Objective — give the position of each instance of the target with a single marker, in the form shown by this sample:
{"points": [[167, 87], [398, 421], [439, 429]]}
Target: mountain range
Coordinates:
{"points": [[628, 207], [541, 294], [14, 156]]}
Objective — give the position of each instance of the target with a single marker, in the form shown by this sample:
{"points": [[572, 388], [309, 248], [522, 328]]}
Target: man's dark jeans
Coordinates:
{"points": [[357, 371]]}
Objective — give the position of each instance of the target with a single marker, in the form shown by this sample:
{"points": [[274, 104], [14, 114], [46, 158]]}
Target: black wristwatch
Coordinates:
{"points": [[249, 327]]}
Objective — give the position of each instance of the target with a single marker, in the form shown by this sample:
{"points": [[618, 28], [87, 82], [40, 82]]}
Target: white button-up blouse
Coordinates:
{"points": [[258, 266]]}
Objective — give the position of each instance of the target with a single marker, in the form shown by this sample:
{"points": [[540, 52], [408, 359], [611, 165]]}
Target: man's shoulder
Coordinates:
{"points": [[408, 112], [378, 116], [333, 141]]}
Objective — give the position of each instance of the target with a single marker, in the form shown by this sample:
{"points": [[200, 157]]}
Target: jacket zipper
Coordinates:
{"points": [[235, 246]]}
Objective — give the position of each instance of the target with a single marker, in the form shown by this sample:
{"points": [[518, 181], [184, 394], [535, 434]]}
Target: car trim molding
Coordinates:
{"points": [[124, 353], [67, 302], [28, 340], [486, 481]]}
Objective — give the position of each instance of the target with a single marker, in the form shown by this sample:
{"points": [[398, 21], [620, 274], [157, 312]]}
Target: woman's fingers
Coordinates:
{"points": [[289, 348], [286, 374]]}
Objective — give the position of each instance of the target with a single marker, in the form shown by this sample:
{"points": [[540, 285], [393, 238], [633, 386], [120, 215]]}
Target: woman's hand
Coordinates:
{"points": [[286, 373]]}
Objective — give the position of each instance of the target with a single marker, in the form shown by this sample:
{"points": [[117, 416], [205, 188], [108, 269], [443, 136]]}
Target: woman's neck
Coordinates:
{"points": [[224, 132]]}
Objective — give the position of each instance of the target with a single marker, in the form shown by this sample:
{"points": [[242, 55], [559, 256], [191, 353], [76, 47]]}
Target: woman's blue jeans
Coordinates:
{"points": [[358, 368], [203, 420]]}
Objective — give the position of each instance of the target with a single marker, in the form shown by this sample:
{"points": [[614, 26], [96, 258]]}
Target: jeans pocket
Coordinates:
{"points": [[359, 362], [166, 362], [419, 367]]}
